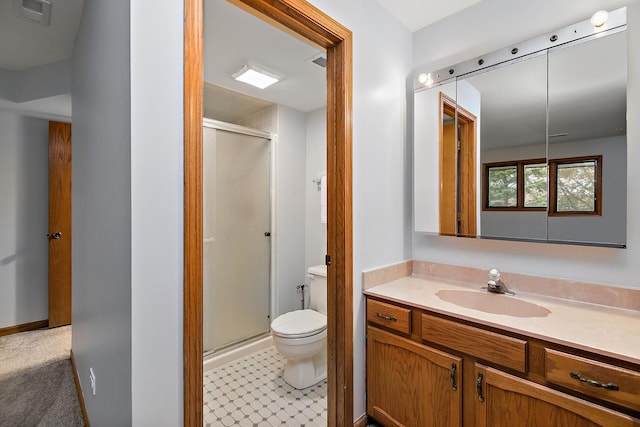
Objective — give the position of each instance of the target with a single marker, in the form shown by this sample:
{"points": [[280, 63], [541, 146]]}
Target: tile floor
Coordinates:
{"points": [[251, 392]]}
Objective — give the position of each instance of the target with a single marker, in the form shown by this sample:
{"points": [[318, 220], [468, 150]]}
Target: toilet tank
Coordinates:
{"points": [[318, 288]]}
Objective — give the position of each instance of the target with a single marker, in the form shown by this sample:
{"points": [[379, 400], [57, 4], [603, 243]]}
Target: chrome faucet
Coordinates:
{"points": [[496, 285]]}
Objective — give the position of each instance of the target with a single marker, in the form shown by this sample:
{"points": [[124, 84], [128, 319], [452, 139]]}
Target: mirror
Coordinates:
{"points": [[530, 149]]}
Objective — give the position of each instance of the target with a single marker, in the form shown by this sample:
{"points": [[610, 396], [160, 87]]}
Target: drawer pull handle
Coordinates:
{"points": [[385, 317], [593, 383], [479, 387], [452, 376]]}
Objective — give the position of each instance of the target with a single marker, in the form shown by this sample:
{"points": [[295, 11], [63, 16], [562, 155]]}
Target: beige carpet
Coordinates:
{"points": [[36, 380]]}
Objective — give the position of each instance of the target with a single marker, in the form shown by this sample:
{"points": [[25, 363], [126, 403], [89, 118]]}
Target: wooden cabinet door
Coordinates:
{"points": [[503, 400], [409, 384]]}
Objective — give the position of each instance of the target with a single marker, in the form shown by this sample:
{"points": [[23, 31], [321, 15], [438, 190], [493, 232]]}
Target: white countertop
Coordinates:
{"points": [[599, 329]]}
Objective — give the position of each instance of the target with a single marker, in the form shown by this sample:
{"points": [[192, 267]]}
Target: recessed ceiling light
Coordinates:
{"points": [[256, 76]]}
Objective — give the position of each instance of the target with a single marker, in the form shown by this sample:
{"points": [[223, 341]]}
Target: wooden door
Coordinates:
{"points": [[457, 169], [467, 173], [503, 400], [448, 180], [409, 384], [59, 224]]}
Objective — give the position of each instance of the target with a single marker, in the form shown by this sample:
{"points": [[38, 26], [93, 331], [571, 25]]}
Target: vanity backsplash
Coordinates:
{"points": [[612, 296]]}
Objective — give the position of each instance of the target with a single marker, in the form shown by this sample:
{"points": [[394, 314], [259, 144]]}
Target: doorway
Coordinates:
{"points": [[457, 169], [309, 23], [59, 271]]}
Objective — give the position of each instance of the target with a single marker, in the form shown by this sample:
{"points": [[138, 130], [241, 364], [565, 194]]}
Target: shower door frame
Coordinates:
{"points": [[303, 20], [272, 141]]}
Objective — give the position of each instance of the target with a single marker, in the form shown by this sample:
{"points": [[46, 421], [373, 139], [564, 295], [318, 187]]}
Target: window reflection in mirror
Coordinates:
{"points": [[587, 127], [512, 141]]}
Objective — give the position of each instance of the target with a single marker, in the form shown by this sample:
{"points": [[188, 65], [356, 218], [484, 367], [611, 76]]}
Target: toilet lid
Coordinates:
{"points": [[299, 323]]}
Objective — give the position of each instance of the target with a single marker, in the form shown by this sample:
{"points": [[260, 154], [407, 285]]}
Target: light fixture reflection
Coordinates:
{"points": [[425, 79], [599, 18]]}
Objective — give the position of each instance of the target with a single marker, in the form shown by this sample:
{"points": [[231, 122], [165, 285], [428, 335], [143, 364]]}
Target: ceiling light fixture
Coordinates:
{"points": [[599, 18], [425, 79], [256, 76]]}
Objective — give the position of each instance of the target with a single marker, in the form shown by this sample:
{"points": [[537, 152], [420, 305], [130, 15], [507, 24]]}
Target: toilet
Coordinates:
{"points": [[300, 336]]}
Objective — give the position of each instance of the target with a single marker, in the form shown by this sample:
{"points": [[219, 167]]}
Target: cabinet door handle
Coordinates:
{"points": [[593, 383], [385, 317], [479, 387], [452, 376]]}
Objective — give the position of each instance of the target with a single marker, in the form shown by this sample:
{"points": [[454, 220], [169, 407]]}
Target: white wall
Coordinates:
{"points": [[101, 214], [289, 208], [381, 157], [23, 219], [487, 26], [316, 167], [156, 213]]}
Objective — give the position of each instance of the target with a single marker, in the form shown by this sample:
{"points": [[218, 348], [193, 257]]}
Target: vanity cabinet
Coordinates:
{"points": [[428, 369], [406, 380], [504, 400]]}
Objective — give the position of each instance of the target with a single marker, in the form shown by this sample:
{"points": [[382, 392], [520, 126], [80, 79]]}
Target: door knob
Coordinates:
{"points": [[55, 236]]}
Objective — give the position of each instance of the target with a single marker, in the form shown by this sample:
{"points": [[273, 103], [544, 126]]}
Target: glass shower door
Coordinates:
{"points": [[236, 263]]}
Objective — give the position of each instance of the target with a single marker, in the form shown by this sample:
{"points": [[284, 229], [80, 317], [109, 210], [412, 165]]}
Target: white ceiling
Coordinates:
{"points": [[26, 44], [231, 38], [416, 14]]}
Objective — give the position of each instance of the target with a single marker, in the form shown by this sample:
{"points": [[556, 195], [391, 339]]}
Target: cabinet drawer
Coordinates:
{"points": [[389, 315], [495, 348], [600, 380]]}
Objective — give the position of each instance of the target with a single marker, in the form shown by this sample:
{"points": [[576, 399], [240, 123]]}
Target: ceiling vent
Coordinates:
{"points": [[38, 11], [320, 59]]}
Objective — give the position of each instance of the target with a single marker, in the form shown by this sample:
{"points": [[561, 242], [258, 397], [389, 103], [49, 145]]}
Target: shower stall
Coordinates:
{"points": [[237, 234]]}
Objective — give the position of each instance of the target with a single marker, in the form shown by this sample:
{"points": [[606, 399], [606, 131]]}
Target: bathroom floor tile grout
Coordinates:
{"points": [[251, 392]]}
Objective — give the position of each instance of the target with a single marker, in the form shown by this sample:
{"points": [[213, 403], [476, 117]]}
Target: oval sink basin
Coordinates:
{"points": [[492, 303]]}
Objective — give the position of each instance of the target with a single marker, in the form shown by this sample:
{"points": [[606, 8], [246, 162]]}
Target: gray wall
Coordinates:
{"points": [[127, 215], [23, 219], [490, 25], [102, 210]]}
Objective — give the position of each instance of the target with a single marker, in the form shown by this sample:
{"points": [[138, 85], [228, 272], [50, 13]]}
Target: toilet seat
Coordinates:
{"points": [[299, 324]]}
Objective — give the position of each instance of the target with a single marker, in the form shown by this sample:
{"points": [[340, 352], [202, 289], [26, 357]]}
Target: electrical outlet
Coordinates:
{"points": [[92, 379]]}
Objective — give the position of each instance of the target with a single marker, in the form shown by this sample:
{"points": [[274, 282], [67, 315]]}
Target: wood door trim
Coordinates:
{"points": [[76, 380], [24, 327], [312, 24], [467, 180], [192, 299]]}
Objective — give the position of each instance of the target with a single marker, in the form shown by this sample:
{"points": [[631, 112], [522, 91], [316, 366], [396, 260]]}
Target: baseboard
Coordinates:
{"points": [[31, 326], [85, 418], [361, 422]]}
